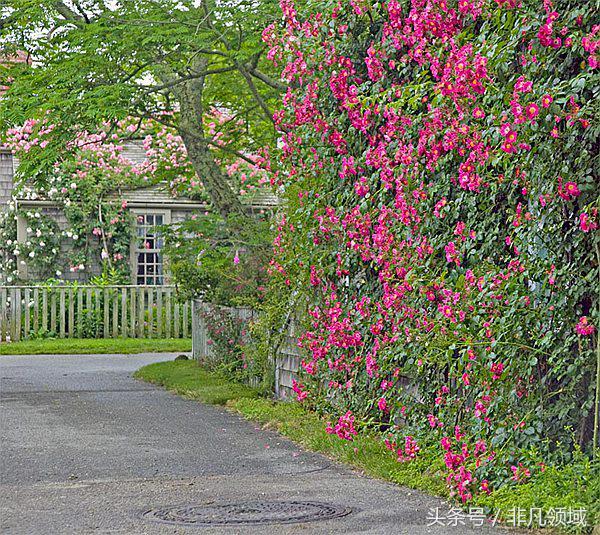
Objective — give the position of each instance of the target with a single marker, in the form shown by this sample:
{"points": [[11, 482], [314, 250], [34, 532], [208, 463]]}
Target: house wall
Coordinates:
{"points": [[6, 178], [151, 198], [94, 267]]}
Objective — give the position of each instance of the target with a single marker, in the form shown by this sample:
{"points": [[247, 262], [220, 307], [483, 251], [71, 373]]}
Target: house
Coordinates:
{"points": [[7, 162], [152, 206]]}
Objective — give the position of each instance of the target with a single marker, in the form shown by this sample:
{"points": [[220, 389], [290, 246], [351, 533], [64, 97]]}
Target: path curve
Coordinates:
{"points": [[84, 448]]}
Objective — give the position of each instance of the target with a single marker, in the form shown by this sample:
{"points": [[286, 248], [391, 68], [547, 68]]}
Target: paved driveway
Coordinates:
{"points": [[84, 448]]}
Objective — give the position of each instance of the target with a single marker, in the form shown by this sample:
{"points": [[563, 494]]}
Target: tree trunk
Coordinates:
{"points": [[191, 129], [216, 183]]}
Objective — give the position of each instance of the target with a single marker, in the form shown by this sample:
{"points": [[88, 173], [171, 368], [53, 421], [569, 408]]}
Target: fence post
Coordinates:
{"points": [[53, 311], [63, 313], [45, 310], [176, 319], [132, 313], [115, 313], [159, 312], [27, 313], [36, 310], [194, 329], [3, 314], [199, 339], [186, 307], [89, 306], [201, 349], [141, 305], [97, 311], [106, 307], [71, 323], [79, 313], [150, 309], [124, 312], [168, 319], [17, 314]]}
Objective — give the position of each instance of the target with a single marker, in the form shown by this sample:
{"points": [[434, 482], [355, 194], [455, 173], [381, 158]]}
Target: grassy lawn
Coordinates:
{"points": [[187, 379], [68, 346], [574, 486]]}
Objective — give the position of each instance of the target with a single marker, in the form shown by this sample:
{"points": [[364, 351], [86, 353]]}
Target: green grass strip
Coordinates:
{"points": [[186, 378], [76, 346]]}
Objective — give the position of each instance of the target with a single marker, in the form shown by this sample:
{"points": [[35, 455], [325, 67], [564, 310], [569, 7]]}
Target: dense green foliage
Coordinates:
{"points": [[179, 63], [220, 260]]}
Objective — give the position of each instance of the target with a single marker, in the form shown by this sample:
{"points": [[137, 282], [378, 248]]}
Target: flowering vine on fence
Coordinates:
{"points": [[440, 170]]}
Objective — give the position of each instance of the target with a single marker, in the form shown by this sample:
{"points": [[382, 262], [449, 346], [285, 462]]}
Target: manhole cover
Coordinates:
{"points": [[247, 513]]}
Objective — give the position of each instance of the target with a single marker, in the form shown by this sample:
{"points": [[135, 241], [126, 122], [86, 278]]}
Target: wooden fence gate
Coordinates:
{"points": [[86, 311]]}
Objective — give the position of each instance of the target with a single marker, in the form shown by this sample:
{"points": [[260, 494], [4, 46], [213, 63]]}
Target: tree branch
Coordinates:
{"points": [[81, 11], [67, 13], [267, 80], [237, 153], [211, 52], [182, 79], [7, 21], [257, 97], [222, 147], [155, 117]]}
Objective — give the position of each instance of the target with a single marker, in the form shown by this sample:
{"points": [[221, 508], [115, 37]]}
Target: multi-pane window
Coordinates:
{"points": [[148, 245]]}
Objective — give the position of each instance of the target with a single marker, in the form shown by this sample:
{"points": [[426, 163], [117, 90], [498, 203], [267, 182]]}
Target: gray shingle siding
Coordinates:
{"points": [[6, 178], [134, 151]]}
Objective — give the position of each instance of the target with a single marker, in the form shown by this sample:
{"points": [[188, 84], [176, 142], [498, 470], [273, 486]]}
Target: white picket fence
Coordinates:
{"points": [[86, 311]]}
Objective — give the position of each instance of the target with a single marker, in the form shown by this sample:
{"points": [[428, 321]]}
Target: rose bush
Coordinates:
{"points": [[440, 176]]}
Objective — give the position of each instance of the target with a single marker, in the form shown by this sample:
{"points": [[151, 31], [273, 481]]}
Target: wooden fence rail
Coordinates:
{"points": [[86, 311], [286, 363]]}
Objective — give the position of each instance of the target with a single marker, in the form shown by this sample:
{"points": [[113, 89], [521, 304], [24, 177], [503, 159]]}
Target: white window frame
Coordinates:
{"points": [[136, 250]]}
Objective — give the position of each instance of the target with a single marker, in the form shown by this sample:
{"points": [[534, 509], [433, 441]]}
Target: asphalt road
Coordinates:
{"points": [[84, 448]]}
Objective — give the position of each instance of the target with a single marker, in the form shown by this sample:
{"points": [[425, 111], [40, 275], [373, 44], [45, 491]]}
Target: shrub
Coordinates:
{"points": [[220, 260]]}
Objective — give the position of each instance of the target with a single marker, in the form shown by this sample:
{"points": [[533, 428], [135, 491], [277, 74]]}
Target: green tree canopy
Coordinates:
{"points": [[95, 62]]}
